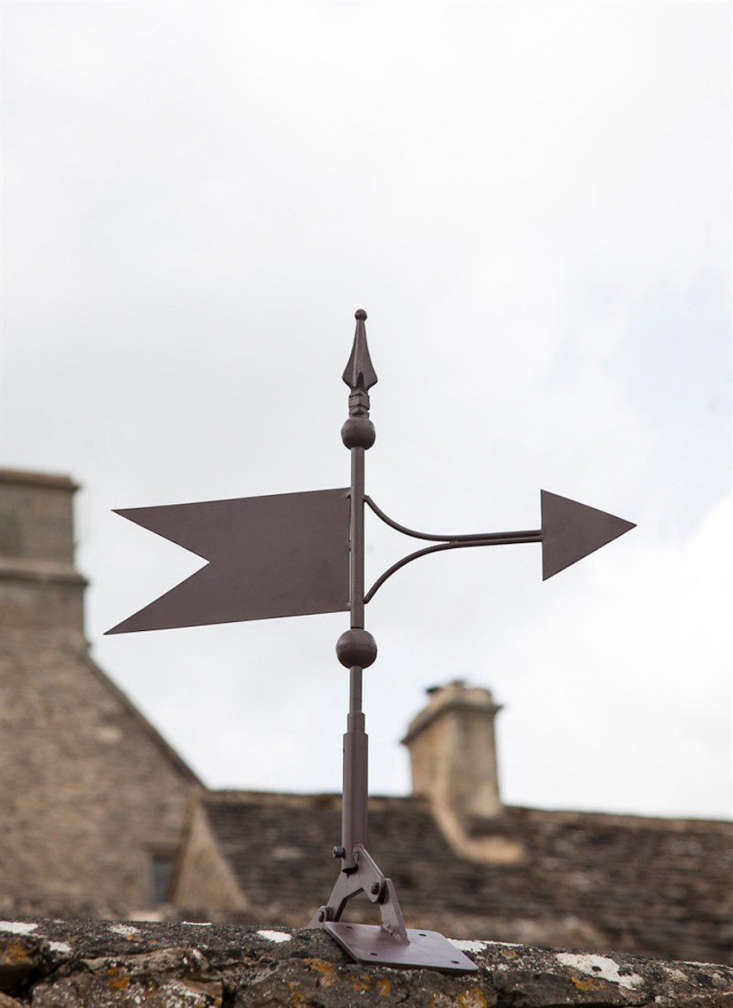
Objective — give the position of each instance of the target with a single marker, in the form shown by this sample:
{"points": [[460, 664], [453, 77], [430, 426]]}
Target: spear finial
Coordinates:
{"points": [[359, 372], [358, 431]]}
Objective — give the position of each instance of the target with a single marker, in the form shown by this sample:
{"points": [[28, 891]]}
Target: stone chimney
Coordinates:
{"points": [[40, 589], [453, 760]]}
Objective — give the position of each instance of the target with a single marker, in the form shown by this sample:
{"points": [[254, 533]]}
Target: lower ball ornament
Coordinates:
{"points": [[356, 648]]}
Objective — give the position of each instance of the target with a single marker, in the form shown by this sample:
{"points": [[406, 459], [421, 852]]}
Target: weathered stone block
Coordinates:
{"points": [[97, 964]]}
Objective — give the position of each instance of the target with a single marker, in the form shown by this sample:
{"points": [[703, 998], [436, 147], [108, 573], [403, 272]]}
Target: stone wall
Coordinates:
{"points": [[90, 794], [654, 887], [204, 878], [57, 964]]}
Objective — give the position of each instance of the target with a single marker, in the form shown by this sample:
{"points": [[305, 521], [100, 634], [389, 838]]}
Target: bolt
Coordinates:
{"points": [[339, 852]]}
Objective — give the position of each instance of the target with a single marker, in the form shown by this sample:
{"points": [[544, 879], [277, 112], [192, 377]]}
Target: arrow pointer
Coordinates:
{"points": [[570, 531]]}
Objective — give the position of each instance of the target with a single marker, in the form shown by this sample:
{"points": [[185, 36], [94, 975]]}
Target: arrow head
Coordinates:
{"points": [[570, 531]]}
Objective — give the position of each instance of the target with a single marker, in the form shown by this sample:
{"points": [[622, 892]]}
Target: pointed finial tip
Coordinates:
{"points": [[359, 371]]}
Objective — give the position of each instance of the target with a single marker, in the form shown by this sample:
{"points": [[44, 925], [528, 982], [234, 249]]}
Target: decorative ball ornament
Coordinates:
{"points": [[358, 432], [356, 648]]}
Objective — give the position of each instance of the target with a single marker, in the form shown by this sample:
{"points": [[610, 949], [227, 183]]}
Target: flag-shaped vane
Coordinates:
{"points": [[302, 553], [280, 555], [288, 554]]}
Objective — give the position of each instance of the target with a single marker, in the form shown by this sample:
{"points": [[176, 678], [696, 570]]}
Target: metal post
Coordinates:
{"points": [[357, 539], [356, 648], [390, 943], [356, 741]]}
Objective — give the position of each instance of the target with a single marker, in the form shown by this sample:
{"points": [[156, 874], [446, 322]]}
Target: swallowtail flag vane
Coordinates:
{"points": [[278, 555]]}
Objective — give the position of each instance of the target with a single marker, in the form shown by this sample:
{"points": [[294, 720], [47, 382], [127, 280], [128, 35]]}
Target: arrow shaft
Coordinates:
{"points": [[470, 538], [490, 539]]}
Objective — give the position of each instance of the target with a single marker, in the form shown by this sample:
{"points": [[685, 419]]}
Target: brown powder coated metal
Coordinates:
{"points": [[276, 555], [390, 943], [570, 531], [372, 946]]}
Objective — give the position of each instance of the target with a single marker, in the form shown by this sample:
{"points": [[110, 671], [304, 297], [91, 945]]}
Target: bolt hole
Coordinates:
{"points": [[422, 934], [454, 961], [349, 927], [373, 953]]}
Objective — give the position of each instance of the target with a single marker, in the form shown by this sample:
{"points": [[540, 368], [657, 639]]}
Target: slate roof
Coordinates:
{"points": [[654, 886]]}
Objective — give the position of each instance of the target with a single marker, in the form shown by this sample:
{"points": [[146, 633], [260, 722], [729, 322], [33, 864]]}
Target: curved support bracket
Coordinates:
{"points": [[471, 537], [414, 556], [445, 542]]}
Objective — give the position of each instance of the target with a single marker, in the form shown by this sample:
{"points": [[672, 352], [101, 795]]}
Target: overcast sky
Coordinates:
{"points": [[533, 203]]}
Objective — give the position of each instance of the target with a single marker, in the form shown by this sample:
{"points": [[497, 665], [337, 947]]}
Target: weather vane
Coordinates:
{"points": [[302, 553]]}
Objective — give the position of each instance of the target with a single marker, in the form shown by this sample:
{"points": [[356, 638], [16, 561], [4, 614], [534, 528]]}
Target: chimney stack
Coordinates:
{"points": [[453, 754], [40, 589]]}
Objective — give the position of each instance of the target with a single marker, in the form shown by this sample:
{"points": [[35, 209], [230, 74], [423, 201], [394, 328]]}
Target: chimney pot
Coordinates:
{"points": [[452, 749], [40, 588]]}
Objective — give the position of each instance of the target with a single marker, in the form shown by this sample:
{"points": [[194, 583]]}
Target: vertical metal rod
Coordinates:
{"points": [[357, 538], [356, 742], [355, 676], [357, 435]]}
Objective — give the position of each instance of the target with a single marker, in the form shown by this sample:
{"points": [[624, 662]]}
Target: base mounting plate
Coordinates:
{"points": [[367, 943]]}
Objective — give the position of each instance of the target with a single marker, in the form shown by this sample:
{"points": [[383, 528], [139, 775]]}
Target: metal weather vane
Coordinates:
{"points": [[303, 553]]}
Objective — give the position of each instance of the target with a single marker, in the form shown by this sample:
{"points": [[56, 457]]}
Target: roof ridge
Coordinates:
{"points": [[166, 748]]}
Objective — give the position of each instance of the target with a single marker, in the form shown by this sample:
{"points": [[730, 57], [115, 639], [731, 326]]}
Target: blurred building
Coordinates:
{"points": [[101, 816], [464, 863], [92, 799]]}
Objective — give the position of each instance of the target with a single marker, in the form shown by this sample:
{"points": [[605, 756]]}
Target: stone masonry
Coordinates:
{"points": [[40, 589], [91, 796], [70, 964], [452, 746], [452, 749]]}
